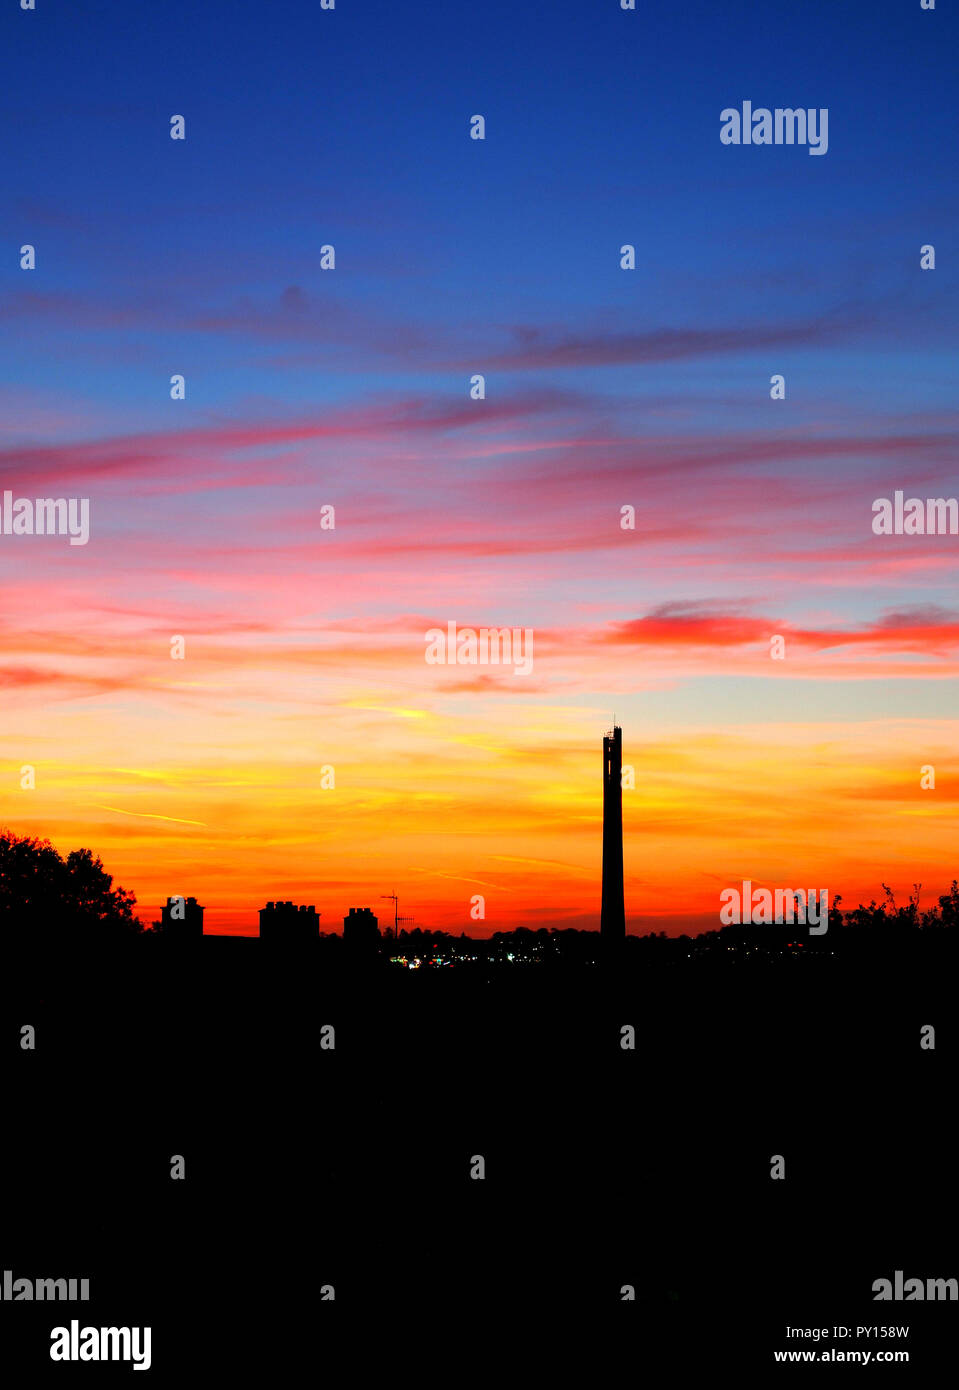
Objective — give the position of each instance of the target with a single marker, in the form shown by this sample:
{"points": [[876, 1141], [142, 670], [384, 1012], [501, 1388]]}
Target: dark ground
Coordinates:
{"points": [[308, 1167]]}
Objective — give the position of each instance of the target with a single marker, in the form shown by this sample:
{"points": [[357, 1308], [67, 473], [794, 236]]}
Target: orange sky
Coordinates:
{"points": [[199, 788], [306, 648]]}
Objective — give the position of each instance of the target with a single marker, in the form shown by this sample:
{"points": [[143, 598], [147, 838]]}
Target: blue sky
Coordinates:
{"points": [[605, 387]]}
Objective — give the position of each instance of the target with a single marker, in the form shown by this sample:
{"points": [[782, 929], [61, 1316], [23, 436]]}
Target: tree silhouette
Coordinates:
{"points": [[948, 913], [41, 893]]}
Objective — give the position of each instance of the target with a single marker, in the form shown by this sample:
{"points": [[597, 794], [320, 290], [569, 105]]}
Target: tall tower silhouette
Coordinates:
{"points": [[612, 926]]}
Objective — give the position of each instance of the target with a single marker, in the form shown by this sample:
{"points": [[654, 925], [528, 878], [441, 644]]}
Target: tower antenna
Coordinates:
{"points": [[612, 927], [397, 919]]}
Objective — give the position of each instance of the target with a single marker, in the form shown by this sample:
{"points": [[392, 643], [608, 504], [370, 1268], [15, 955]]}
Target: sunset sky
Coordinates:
{"points": [[605, 388]]}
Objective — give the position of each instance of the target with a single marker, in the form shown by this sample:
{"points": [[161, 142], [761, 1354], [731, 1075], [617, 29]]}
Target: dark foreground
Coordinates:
{"points": [[309, 1167]]}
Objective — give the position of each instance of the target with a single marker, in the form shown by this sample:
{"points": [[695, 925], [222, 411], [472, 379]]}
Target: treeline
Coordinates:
{"points": [[40, 889]]}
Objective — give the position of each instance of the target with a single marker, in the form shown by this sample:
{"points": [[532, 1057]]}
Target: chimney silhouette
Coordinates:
{"points": [[612, 925], [361, 929], [181, 918], [288, 924]]}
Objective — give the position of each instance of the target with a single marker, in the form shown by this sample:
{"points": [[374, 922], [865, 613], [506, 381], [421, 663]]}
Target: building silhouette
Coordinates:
{"points": [[181, 918], [612, 925], [361, 928], [288, 924]]}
